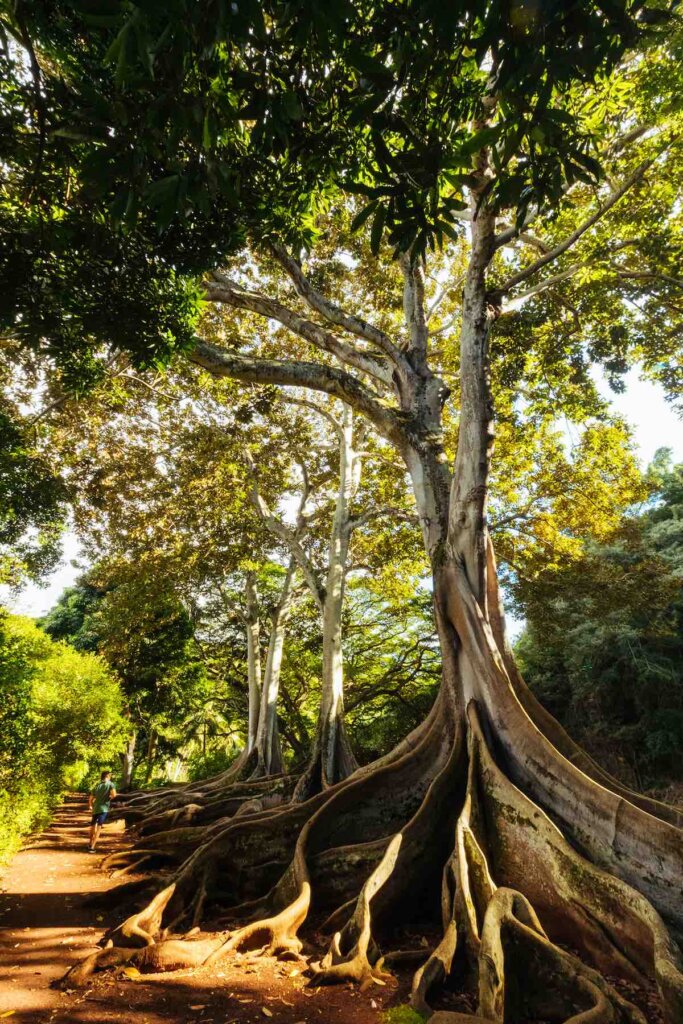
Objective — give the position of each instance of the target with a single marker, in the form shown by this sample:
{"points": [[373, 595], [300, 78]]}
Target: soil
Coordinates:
{"points": [[55, 902]]}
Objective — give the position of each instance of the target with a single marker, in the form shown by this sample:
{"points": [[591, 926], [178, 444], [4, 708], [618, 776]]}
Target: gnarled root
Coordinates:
{"points": [[138, 805], [553, 981], [142, 929], [515, 895], [355, 965], [274, 936], [80, 973], [502, 837], [170, 955], [176, 817]]}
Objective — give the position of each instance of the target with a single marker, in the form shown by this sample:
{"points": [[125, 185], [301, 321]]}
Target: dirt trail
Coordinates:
{"points": [[46, 924]]}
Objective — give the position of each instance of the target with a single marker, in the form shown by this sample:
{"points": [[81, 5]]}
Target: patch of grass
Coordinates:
{"points": [[402, 1015]]}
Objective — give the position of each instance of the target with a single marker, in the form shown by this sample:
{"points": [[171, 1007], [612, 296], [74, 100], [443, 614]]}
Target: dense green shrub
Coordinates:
{"points": [[203, 765], [60, 716]]}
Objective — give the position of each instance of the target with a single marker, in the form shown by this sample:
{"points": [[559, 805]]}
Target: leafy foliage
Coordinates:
{"points": [[144, 142], [604, 642], [60, 714], [147, 638], [32, 507]]}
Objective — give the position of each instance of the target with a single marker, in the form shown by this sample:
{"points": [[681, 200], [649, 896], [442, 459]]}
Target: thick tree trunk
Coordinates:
{"points": [[332, 758], [268, 752]]}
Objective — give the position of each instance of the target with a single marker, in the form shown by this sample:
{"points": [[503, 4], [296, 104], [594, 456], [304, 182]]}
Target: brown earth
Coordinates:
{"points": [[48, 922]]}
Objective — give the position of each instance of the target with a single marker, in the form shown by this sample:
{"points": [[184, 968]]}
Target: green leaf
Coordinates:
{"points": [[481, 139], [365, 108], [292, 106], [377, 230], [448, 229], [209, 130], [361, 217]]}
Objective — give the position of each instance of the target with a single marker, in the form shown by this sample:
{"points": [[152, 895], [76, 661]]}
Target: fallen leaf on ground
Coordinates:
{"points": [[199, 1006], [132, 972], [266, 1012]]}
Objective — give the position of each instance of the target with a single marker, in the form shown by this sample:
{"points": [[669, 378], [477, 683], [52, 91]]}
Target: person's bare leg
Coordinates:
{"points": [[94, 835]]}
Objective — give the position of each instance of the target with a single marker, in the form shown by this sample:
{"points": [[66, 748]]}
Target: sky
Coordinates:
{"points": [[655, 425]]}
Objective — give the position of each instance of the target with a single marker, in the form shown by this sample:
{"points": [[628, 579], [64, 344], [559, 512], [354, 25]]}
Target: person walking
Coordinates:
{"points": [[99, 800]]}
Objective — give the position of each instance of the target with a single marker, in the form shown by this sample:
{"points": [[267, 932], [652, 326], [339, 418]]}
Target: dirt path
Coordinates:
{"points": [[46, 924]]}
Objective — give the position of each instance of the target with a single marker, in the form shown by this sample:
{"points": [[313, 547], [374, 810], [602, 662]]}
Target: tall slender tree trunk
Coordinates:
{"points": [[252, 626], [268, 751], [149, 759], [128, 763], [332, 758]]}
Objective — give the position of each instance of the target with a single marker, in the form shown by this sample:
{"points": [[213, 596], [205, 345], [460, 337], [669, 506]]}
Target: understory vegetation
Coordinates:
{"points": [[61, 719]]}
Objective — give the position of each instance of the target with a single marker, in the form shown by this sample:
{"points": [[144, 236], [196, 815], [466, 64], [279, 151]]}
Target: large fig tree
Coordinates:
{"points": [[245, 121]]}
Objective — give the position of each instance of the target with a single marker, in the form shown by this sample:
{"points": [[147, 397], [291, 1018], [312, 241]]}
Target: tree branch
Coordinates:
{"points": [[568, 242], [290, 538], [519, 300], [330, 310], [306, 404], [514, 235], [221, 289], [414, 305], [299, 373]]}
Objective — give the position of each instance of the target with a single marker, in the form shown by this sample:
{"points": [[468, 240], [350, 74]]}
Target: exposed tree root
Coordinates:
{"points": [[514, 897], [501, 834], [645, 851], [142, 928], [202, 803], [170, 837], [355, 965]]}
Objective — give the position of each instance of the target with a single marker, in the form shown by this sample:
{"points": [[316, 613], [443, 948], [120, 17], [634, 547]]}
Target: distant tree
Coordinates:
{"points": [[73, 618], [603, 647], [146, 636]]}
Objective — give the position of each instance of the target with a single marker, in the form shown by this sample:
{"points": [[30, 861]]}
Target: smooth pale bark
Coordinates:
{"points": [[336, 758], [268, 752], [128, 763], [467, 531], [252, 627], [332, 758]]}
